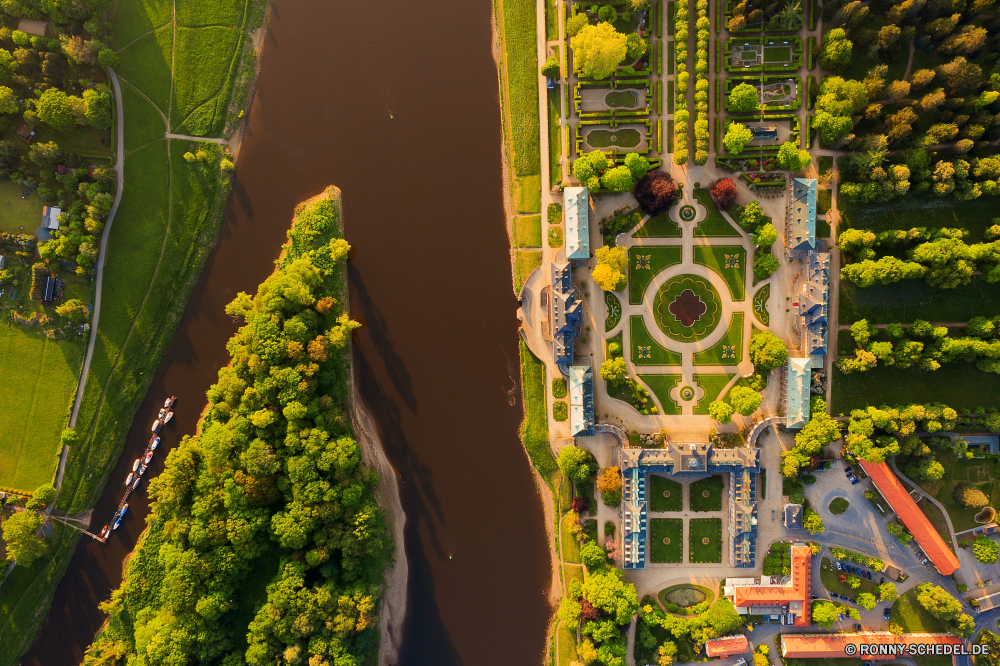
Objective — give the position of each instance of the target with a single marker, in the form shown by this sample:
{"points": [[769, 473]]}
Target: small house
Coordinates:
{"points": [[50, 217], [49, 292]]}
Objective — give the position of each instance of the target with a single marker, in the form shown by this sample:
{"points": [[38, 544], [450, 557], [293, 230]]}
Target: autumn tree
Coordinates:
{"points": [[655, 192], [960, 76], [969, 496], [598, 50], [609, 274], [723, 192], [609, 484]]}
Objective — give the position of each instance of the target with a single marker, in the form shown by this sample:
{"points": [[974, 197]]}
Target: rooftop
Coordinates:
{"points": [[831, 646], [802, 216], [913, 518], [791, 592], [576, 203], [581, 400], [797, 393], [727, 646]]}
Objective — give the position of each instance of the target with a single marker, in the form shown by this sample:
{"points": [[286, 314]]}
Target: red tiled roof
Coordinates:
{"points": [[911, 515], [798, 591], [727, 646], [831, 646]]}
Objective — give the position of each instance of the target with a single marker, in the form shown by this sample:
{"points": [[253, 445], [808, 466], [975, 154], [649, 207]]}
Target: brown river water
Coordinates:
{"points": [[436, 360]]}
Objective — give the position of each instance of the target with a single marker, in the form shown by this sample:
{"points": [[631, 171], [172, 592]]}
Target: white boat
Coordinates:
{"points": [[135, 484], [153, 443], [128, 481], [167, 417], [149, 456], [170, 401], [106, 531], [136, 464], [163, 412], [157, 424], [142, 468], [122, 512], [118, 521]]}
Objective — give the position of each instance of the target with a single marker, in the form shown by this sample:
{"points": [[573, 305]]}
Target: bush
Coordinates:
{"points": [[560, 411], [723, 192], [985, 550], [970, 496], [655, 192], [108, 58]]}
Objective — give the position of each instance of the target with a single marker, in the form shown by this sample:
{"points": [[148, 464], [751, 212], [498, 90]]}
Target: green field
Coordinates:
{"points": [[907, 300], [528, 231], [19, 214], [659, 226], [697, 498], [959, 385], [660, 386], [666, 528], [39, 379], [645, 350], [644, 262], [555, 137], [525, 261], [923, 211], [714, 225], [777, 54], [519, 84], [700, 529], [912, 617], [979, 473], [729, 261], [713, 385], [728, 350], [658, 501]]}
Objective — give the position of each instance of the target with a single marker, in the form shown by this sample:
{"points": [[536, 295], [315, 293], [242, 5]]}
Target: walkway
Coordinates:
{"points": [[120, 172], [185, 137]]}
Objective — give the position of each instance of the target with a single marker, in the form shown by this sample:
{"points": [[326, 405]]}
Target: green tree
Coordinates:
{"points": [[790, 157], [551, 68], [614, 372], [764, 265], [43, 495], [813, 522], [825, 613], [744, 400], [575, 23], [946, 608], [743, 98], [767, 351], [577, 464], [765, 236], [720, 411], [737, 136], [44, 154], [606, 590], [55, 110], [635, 46], [8, 101], [887, 591], [862, 332], [752, 216], [985, 550], [837, 48], [618, 179], [589, 167], [867, 601], [592, 555], [19, 533], [637, 165], [897, 530], [107, 58], [569, 611], [597, 50]]}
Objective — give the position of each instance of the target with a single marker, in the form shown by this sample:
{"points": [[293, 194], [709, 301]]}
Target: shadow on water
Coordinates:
{"points": [[430, 278]]}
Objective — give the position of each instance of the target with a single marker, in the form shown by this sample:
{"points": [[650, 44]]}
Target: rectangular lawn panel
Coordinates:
{"points": [[644, 262], [555, 138], [666, 528], [39, 382], [700, 529], [659, 386], [146, 65], [645, 350], [525, 261], [714, 225], [777, 54], [570, 546], [17, 212], [528, 231], [823, 201], [728, 350], [713, 385], [729, 261], [959, 385], [921, 211], [658, 226], [528, 194], [697, 499], [520, 66], [658, 485], [907, 300]]}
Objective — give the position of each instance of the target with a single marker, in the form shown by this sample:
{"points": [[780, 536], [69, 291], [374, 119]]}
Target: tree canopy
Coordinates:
{"points": [[767, 351], [737, 136], [743, 98], [598, 50]]}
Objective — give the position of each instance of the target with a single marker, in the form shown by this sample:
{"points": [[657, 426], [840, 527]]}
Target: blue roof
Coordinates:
{"points": [[577, 208], [581, 401], [802, 215], [797, 402], [763, 133]]}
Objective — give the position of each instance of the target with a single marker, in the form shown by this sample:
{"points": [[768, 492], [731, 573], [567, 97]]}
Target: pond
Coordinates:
{"points": [[622, 99], [685, 596], [624, 138]]}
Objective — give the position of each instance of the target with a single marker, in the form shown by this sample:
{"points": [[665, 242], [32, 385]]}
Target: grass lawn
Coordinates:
{"points": [[660, 386], [519, 84], [980, 473], [567, 646], [823, 229], [823, 198], [590, 529], [535, 429], [645, 350], [658, 501], [907, 300], [525, 261], [697, 498], [555, 237], [19, 215], [831, 581], [555, 137], [728, 350], [729, 261], [714, 225], [528, 231], [825, 164], [957, 385], [570, 547], [921, 210], [39, 382], [528, 194], [700, 529], [713, 385], [658, 226], [912, 617], [644, 262], [760, 304], [838, 506], [201, 95], [666, 528]]}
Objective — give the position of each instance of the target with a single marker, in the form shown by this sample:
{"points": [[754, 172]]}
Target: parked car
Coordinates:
{"points": [[881, 580], [841, 616], [852, 600], [839, 567], [854, 482], [885, 612], [869, 574], [848, 469], [924, 561], [857, 627], [814, 596]]}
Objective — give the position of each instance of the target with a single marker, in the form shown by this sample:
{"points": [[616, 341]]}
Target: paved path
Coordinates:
{"points": [[120, 169], [185, 137], [920, 493]]}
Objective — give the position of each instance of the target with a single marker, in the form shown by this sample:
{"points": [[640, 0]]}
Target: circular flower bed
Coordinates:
{"points": [[687, 308], [687, 393], [687, 213]]}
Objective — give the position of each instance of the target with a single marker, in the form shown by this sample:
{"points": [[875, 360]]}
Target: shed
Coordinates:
{"points": [[48, 293], [50, 217]]}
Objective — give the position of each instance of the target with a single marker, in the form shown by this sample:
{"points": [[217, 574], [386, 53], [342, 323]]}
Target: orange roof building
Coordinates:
{"points": [[879, 644], [912, 517], [727, 646], [776, 595]]}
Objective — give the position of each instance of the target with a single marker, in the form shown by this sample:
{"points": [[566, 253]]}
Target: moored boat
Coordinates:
{"points": [[167, 417], [163, 413], [135, 484], [157, 425], [128, 481], [136, 464], [149, 456], [118, 521], [142, 468], [153, 443], [106, 531], [169, 403]]}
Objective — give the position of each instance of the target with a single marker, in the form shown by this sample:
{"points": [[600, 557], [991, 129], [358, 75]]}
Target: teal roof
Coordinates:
{"points": [[797, 401], [802, 215], [576, 203], [581, 400]]}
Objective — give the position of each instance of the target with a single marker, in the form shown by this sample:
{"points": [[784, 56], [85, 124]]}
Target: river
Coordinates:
{"points": [[437, 357]]}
